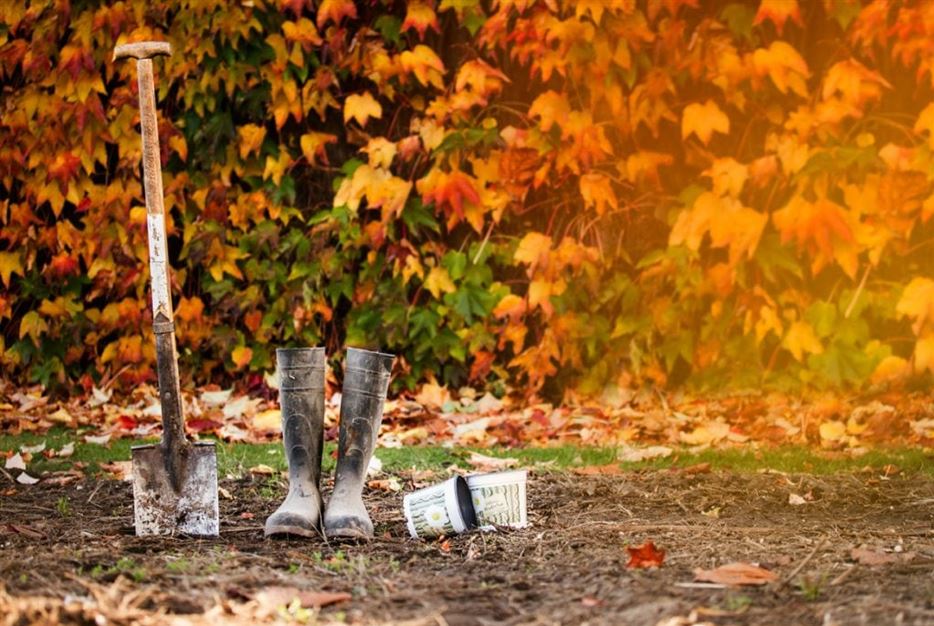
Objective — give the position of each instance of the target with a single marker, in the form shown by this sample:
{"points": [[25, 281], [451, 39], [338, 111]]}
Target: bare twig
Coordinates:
{"points": [[820, 544]]}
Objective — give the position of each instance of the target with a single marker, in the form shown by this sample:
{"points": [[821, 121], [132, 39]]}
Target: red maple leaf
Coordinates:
{"points": [[645, 556]]}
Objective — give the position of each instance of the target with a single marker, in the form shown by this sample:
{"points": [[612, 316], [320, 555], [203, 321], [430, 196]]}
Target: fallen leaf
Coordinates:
{"points": [[736, 574], [66, 450], [628, 454], [101, 440], [796, 500], [375, 466], [645, 556], [26, 479], [865, 556], [610, 469], [274, 598], [484, 463], [216, 398], [269, 420], [244, 405], [488, 404], [832, 431], [262, 470], [385, 484], [36, 449], [26, 531], [121, 470], [99, 397], [432, 395], [15, 462]]}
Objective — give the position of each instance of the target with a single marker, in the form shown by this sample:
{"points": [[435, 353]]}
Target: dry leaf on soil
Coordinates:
{"points": [[274, 598], [15, 462], [484, 463], [736, 574], [864, 556], [630, 454], [645, 556]]}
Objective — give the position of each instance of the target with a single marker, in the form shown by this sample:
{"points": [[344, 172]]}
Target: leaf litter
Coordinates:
{"points": [[643, 424], [569, 567]]}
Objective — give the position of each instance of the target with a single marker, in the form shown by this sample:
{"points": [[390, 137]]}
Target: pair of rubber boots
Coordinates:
{"points": [[301, 398]]}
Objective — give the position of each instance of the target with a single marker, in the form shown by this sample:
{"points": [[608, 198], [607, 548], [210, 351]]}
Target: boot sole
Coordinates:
{"points": [[347, 533], [279, 531]]}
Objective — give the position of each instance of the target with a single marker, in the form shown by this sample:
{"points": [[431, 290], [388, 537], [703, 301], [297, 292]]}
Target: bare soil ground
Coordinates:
{"points": [[68, 555]]}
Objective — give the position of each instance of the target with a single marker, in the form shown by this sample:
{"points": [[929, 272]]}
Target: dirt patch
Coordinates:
{"points": [[72, 543]]}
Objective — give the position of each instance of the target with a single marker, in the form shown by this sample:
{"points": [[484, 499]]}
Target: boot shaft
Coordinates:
{"points": [[366, 382], [301, 399]]}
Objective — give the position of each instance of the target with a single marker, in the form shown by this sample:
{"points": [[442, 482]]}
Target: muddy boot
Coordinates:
{"points": [[366, 379], [301, 397]]}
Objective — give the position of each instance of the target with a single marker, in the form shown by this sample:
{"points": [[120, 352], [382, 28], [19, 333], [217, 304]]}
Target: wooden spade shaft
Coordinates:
{"points": [[175, 444]]}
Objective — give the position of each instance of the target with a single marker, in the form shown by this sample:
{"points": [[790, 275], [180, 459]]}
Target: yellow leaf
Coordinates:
{"points": [[439, 281], [801, 339], [784, 66], [832, 431], [34, 326], [540, 292], [241, 356], [268, 421], [10, 262], [335, 11], [313, 144], [276, 168], [703, 120], [917, 302], [425, 64], [926, 123], [251, 138], [433, 395], [891, 368], [924, 354], [729, 223], [598, 193], [420, 15], [533, 249], [552, 109], [381, 152], [778, 12], [706, 434], [510, 306], [362, 107], [643, 165], [728, 176]]}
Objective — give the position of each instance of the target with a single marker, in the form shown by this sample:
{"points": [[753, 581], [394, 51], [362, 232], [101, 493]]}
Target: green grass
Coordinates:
{"points": [[236, 459]]}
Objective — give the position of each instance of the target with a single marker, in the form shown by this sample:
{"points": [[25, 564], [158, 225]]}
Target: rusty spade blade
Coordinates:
{"points": [[174, 482]]}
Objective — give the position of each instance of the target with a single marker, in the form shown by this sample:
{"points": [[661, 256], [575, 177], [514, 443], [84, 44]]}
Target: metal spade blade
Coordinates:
{"points": [[159, 508]]}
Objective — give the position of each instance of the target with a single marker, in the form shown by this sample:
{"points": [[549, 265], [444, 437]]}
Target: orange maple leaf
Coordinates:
{"points": [[335, 11], [424, 64], [645, 556], [784, 65], [421, 16], [448, 191], [551, 108], [703, 120], [313, 144], [822, 228], [598, 192], [778, 12]]}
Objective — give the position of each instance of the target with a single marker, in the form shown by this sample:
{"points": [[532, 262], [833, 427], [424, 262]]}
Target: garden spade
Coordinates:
{"points": [[175, 481]]}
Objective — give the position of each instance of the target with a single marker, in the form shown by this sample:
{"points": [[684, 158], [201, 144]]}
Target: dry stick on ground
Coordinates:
{"points": [[820, 544]]}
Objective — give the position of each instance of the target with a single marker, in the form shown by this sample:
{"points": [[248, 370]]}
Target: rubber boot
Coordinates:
{"points": [[301, 398], [366, 380]]}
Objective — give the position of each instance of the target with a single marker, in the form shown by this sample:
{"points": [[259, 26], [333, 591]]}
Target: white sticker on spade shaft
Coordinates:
{"points": [[158, 268]]}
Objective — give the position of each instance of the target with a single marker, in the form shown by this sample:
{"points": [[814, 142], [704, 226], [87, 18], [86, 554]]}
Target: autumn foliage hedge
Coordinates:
{"points": [[553, 193]]}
